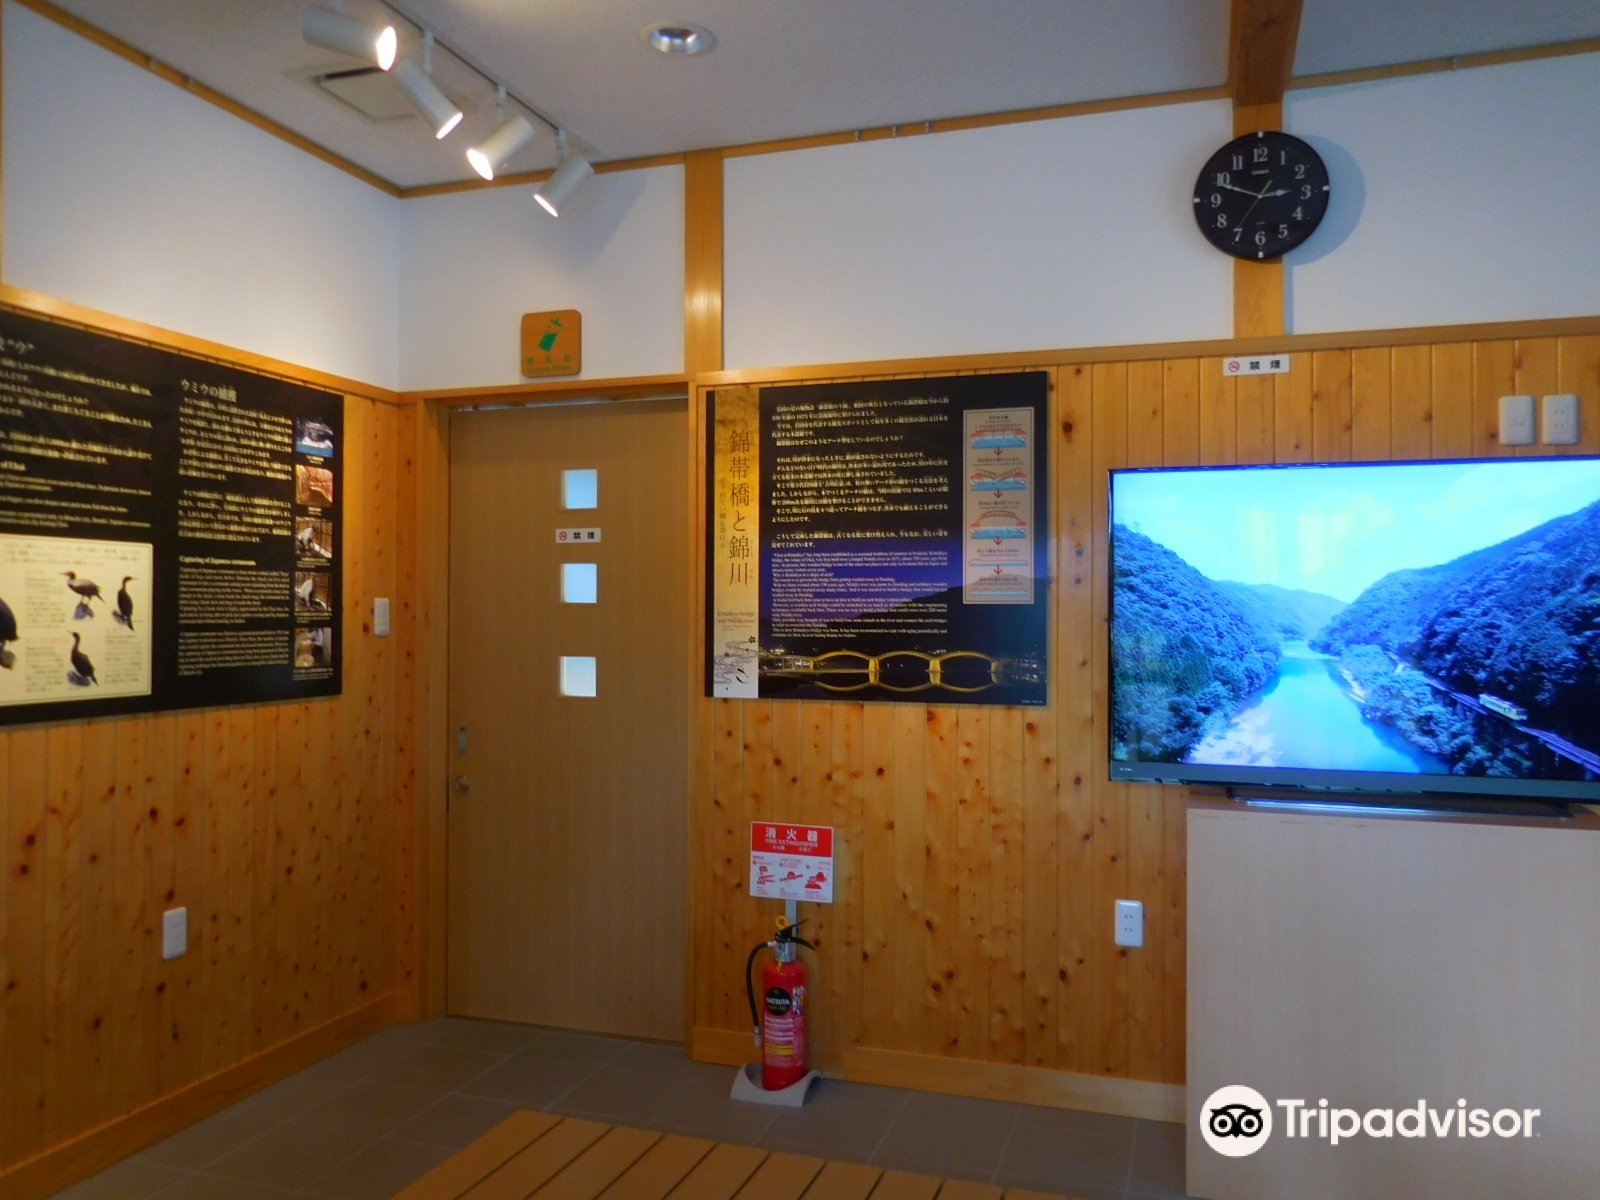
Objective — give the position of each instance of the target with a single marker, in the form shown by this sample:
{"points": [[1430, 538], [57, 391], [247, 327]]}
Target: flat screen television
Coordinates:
{"points": [[1409, 627]]}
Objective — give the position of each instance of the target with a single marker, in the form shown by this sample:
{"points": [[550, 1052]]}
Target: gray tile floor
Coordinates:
{"points": [[366, 1122]]}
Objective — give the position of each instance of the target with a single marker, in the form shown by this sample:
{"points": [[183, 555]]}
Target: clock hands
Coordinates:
{"points": [[1245, 216]]}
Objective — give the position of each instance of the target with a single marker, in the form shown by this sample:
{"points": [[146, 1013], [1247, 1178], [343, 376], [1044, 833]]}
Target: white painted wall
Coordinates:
{"points": [[1054, 233], [125, 194], [474, 262], [1460, 197]]}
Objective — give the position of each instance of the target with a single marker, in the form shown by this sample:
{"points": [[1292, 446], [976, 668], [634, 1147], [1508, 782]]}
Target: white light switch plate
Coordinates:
{"points": [[174, 933], [1130, 923], [380, 616], [1516, 420], [1560, 420]]}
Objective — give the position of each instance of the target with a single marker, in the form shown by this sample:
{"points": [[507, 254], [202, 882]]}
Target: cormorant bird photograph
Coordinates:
{"points": [[82, 673], [8, 633], [86, 590], [124, 613]]}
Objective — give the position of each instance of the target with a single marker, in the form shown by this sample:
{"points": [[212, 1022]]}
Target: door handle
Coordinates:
{"points": [[463, 784]]}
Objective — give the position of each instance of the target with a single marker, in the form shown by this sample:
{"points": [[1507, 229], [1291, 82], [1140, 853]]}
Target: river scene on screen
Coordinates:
{"points": [[1428, 618]]}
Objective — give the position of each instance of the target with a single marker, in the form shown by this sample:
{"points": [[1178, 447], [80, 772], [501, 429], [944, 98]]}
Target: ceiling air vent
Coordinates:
{"points": [[369, 91]]}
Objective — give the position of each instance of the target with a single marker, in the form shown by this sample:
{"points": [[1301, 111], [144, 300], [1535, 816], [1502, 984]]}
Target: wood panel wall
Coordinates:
{"points": [[980, 849], [275, 824]]}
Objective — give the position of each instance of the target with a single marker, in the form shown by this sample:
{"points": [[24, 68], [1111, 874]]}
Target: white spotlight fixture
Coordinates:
{"points": [[500, 145], [554, 192], [433, 105], [335, 31]]}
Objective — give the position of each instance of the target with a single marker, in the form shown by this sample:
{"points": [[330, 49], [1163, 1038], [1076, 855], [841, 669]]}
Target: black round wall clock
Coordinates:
{"points": [[1261, 195]]}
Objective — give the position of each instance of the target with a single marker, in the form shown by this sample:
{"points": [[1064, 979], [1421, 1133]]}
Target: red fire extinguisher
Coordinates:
{"points": [[780, 1021]]}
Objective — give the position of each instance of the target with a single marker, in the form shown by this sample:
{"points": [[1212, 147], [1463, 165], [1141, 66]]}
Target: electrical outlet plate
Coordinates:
{"points": [[1560, 420], [1130, 923], [1516, 420], [380, 616], [174, 933]]}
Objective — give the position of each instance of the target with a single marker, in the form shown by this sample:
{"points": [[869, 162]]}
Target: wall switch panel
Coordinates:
{"points": [[1516, 420], [380, 616], [174, 933], [1130, 923], [1560, 420]]}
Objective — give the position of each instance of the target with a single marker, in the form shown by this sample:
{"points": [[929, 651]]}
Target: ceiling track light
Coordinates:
{"points": [[335, 31], [554, 192], [488, 155], [418, 86]]}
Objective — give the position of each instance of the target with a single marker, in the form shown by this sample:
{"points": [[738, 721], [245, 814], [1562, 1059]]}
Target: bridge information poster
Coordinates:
{"points": [[881, 540], [169, 529]]}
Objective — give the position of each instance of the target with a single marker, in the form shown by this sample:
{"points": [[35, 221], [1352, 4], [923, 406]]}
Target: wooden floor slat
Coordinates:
{"points": [[961, 1189], [903, 1185], [489, 1153], [782, 1177], [660, 1170], [533, 1167], [844, 1181], [599, 1166], [539, 1156], [720, 1174]]}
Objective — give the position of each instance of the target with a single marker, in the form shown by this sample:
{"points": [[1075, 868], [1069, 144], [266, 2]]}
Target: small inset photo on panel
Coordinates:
{"points": [[313, 486], [312, 436], [313, 647], [313, 591], [313, 537]]}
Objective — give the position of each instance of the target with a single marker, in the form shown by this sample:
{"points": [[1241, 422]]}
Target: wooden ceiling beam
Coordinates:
{"points": [[1262, 35]]}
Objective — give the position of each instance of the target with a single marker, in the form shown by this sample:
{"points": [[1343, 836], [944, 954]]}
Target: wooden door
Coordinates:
{"points": [[567, 813]]}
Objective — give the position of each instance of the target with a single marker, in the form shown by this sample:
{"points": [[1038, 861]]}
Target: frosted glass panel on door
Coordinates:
{"points": [[577, 675], [580, 488], [580, 583]]}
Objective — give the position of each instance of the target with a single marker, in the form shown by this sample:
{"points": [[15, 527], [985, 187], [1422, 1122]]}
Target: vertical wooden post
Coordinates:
{"points": [[702, 352], [702, 262], [1261, 43]]}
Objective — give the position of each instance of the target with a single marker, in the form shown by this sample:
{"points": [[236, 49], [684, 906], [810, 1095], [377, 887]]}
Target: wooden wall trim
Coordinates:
{"points": [[194, 87], [1148, 351], [630, 387], [971, 1077], [40, 305], [644, 162], [1457, 62], [64, 1164]]}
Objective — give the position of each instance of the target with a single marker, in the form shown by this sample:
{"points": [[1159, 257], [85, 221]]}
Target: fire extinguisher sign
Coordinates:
{"points": [[791, 862]]}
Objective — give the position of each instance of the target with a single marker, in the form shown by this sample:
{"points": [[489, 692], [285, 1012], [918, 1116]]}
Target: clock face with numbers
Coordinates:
{"points": [[1261, 195]]}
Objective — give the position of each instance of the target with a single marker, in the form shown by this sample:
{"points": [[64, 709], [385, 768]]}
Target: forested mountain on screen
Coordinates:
{"points": [[1519, 621], [1294, 613], [1184, 650]]}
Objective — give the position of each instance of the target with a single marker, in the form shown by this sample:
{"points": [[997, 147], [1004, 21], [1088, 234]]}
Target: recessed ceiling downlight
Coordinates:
{"points": [[679, 37]]}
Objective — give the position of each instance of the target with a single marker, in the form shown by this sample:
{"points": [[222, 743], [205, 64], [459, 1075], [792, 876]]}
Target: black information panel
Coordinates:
{"points": [[169, 529], [884, 540]]}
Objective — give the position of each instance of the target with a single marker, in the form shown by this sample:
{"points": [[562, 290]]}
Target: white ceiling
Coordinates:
{"points": [[1337, 35], [781, 68]]}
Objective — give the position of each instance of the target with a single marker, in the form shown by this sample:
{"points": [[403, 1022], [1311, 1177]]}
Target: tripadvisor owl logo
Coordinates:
{"points": [[1236, 1120]]}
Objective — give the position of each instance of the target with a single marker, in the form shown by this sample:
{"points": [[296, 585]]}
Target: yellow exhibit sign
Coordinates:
{"points": [[552, 343]]}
